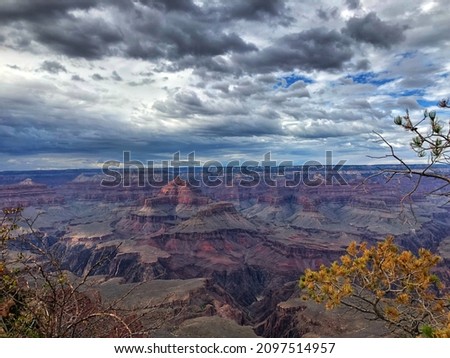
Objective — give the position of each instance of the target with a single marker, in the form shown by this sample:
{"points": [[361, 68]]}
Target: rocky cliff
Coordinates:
{"points": [[237, 250], [28, 193]]}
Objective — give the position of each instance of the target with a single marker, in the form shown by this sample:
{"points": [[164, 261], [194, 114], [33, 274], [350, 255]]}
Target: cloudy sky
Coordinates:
{"points": [[81, 81]]}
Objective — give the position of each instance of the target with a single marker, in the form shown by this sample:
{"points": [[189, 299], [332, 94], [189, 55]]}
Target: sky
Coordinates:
{"points": [[82, 81]]}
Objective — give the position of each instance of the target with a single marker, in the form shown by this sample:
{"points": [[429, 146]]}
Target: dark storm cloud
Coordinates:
{"points": [[371, 29], [199, 41], [317, 48], [255, 10], [175, 34], [222, 87], [327, 14], [362, 65], [172, 5], [31, 124], [31, 140], [65, 33], [353, 4], [147, 30], [52, 67], [86, 37], [37, 10], [52, 24]]}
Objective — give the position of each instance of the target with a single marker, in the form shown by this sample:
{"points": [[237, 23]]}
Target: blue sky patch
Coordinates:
{"points": [[408, 54], [289, 80], [424, 103], [369, 77]]}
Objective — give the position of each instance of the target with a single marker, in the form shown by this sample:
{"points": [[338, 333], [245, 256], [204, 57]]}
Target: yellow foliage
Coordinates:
{"points": [[396, 286], [392, 313]]}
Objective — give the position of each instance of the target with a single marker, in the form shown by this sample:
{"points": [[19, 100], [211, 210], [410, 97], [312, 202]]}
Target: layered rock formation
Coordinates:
{"points": [[173, 203], [28, 193], [227, 255]]}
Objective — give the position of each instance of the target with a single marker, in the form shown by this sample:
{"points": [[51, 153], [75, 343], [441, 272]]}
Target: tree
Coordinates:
{"points": [[387, 284], [384, 282], [430, 139], [39, 299]]}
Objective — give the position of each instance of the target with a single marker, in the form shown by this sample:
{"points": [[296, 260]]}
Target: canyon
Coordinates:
{"points": [[224, 260]]}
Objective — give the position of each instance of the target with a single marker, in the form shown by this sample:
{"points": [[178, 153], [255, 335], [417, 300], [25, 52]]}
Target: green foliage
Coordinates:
{"points": [[430, 139]]}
